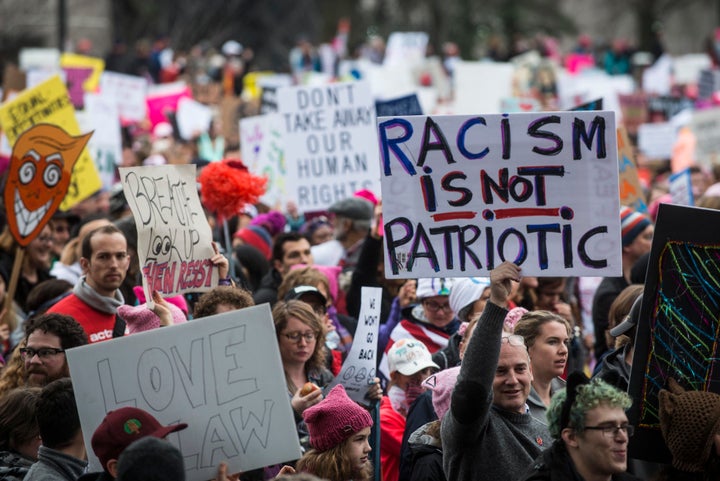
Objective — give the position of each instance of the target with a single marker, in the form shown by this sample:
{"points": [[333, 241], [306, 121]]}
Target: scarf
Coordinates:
{"points": [[90, 297]]}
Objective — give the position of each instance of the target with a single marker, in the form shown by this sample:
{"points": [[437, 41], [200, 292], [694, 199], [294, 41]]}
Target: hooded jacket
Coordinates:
{"points": [[426, 457]]}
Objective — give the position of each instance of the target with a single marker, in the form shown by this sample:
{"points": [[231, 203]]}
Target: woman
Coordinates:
{"points": [[19, 434], [547, 337], [301, 338]]}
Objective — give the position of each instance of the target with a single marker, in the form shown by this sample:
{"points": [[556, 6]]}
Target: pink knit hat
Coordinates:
{"points": [[334, 419], [178, 300], [139, 318], [442, 384], [512, 318]]}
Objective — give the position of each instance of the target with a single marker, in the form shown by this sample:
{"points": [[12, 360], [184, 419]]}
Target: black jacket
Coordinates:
{"points": [[268, 290]]}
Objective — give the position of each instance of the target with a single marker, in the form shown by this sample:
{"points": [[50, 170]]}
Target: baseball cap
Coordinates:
{"points": [[630, 320], [408, 356], [299, 291], [123, 426]]}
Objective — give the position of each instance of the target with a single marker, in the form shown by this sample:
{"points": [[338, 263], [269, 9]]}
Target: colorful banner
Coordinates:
{"points": [[82, 74], [222, 376], [464, 193], [631, 192], [174, 237], [49, 103], [330, 143]]}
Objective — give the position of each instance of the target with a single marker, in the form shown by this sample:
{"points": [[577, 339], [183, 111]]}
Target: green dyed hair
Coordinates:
{"points": [[589, 396]]}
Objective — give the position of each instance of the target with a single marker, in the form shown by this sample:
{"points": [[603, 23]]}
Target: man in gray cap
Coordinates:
{"points": [[351, 223]]}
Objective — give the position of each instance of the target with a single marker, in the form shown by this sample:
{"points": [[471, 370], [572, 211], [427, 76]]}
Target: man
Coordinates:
{"points": [[289, 249], [96, 295], [351, 224], [117, 431], [488, 434], [637, 233], [48, 337], [591, 432], [62, 454]]}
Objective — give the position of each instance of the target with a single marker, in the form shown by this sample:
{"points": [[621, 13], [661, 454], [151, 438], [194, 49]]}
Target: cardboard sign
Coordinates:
{"points": [[631, 192], [222, 376], [358, 370], [679, 324], [82, 74], [49, 103], [129, 93], [330, 143], [406, 48], [162, 100], [464, 193], [263, 153], [681, 188], [174, 237]]}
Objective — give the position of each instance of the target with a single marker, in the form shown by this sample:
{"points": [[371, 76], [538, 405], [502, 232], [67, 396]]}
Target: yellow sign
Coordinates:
{"points": [[97, 65], [49, 103]]}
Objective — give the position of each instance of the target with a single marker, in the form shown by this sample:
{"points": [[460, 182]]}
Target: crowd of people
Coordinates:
{"points": [[508, 377]]}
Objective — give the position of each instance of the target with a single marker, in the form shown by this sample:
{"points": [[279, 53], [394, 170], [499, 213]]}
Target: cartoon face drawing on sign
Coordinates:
{"points": [[41, 165]]}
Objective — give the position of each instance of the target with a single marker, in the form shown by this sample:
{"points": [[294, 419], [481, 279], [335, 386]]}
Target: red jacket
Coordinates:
{"points": [[97, 325], [392, 427]]}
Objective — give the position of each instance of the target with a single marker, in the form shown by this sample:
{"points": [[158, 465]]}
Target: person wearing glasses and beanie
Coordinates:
{"points": [[591, 432], [488, 433]]}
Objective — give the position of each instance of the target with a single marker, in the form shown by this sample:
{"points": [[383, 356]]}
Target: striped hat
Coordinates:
{"points": [[632, 224]]}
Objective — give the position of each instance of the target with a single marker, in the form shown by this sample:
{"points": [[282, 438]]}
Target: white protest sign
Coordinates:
{"points": [[129, 92], [222, 376], [358, 370], [101, 115], [407, 48], [262, 147], [656, 140], [330, 143], [705, 124], [681, 188], [174, 237], [496, 85], [464, 193], [193, 118]]}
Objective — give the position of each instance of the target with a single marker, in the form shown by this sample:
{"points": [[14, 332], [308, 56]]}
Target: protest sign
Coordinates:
{"points": [[464, 193], [634, 111], [705, 124], [49, 103], [222, 376], [101, 113], [82, 74], [666, 107], [679, 323], [163, 99], [406, 105], [358, 370], [656, 140], [39, 58], [497, 85], [174, 237], [330, 143], [631, 192], [129, 93], [708, 84], [406, 48], [193, 118], [263, 154], [681, 188]]}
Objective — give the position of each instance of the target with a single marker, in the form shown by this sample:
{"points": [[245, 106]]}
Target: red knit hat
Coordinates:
{"points": [[334, 419]]}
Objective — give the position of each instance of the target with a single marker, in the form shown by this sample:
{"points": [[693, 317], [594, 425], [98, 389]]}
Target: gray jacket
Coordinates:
{"points": [[53, 465]]}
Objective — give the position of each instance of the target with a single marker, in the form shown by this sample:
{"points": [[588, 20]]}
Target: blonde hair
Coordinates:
{"points": [[334, 464], [13, 374]]}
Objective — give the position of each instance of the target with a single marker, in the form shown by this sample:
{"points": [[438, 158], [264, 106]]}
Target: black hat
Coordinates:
{"points": [[310, 291], [630, 320]]}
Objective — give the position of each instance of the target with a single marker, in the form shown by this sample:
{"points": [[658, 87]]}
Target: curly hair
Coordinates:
{"points": [[530, 323], [71, 333], [334, 464], [18, 425], [235, 297], [302, 311], [305, 276], [13, 374], [589, 396]]}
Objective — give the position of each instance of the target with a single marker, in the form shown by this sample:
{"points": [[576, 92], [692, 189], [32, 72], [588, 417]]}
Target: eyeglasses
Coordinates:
{"points": [[42, 353], [612, 431], [434, 306], [296, 336], [513, 340]]}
